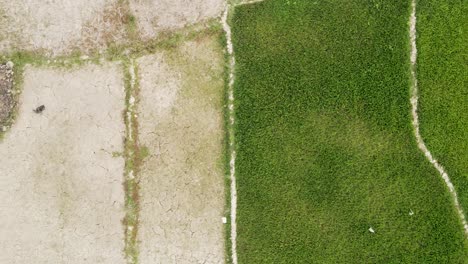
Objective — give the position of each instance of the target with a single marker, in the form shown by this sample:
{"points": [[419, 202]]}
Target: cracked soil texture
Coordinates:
{"points": [[156, 16], [61, 195], [182, 180], [58, 27]]}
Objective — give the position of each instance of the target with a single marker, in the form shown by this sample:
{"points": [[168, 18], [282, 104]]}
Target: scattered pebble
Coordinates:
{"points": [[39, 109], [224, 219], [372, 230]]}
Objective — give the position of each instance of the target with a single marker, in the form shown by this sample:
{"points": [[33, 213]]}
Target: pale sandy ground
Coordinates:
{"points": [[156, 16], [182, 185], [58, 26], [61, 196]]}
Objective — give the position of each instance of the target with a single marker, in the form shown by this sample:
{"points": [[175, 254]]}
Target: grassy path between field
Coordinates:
{"points": [[231, 124], [414, 111]]}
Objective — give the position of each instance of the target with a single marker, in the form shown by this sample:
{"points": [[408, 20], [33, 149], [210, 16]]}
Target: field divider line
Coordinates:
{"points": [[414, 112], [232, 143], [249, 2], [231, 127]]}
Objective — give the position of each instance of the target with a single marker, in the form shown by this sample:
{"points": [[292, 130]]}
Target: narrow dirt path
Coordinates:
{"points": [[414, 112]]}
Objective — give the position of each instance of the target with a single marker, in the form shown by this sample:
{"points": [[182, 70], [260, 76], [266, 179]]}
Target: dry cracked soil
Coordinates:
{"points": [[62, 169], [182, 180], [60, 187]]}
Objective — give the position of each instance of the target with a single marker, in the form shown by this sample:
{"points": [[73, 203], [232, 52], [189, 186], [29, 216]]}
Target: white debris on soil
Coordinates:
{"points": [[411, 213], [61, 194], [414, 111], [371, 230]]}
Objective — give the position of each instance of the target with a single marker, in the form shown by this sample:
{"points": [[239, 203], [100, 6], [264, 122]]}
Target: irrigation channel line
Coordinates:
{"points": [[414, 103], [232, 142]]}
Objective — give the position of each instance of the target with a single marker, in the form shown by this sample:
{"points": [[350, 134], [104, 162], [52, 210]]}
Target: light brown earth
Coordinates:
{"points": [[182, 184], [61, 196], [57, 27], [156, 16]]}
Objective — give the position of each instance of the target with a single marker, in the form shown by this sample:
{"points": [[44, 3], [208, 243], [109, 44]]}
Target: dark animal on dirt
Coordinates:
{"points": [[39, 109]]}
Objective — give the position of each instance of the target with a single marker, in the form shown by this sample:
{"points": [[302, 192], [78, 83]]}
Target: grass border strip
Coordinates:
{"points": [[231, 124], [231, 136]]}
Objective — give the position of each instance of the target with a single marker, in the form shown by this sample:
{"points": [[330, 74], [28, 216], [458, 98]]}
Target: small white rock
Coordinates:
{"points": [[371, 230], [411, 212], [10, 64], [224, 219], [84, 57], [132, 100]]}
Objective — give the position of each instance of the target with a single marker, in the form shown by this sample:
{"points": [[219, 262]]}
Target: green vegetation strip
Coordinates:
{"points": [[325, 144], [133, 159], [443, 83]]}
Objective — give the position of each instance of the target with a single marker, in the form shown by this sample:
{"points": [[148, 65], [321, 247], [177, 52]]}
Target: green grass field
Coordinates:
{"points": [[325, 143], [443, 82]]}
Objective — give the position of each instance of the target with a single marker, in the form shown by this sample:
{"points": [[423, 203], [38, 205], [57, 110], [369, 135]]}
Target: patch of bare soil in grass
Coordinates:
{"points": [[182, 182], [61, 194], [154, 17], [6, 94], [59, 27]]}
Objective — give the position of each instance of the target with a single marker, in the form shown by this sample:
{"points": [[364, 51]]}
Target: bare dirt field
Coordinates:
{"points": [[61, 194], [156, 16], [182, 182], [57, 27]]}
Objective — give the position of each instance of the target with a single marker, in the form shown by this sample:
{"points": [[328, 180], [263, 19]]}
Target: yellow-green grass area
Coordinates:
{"points": [[443, 84], [325, 144]]}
